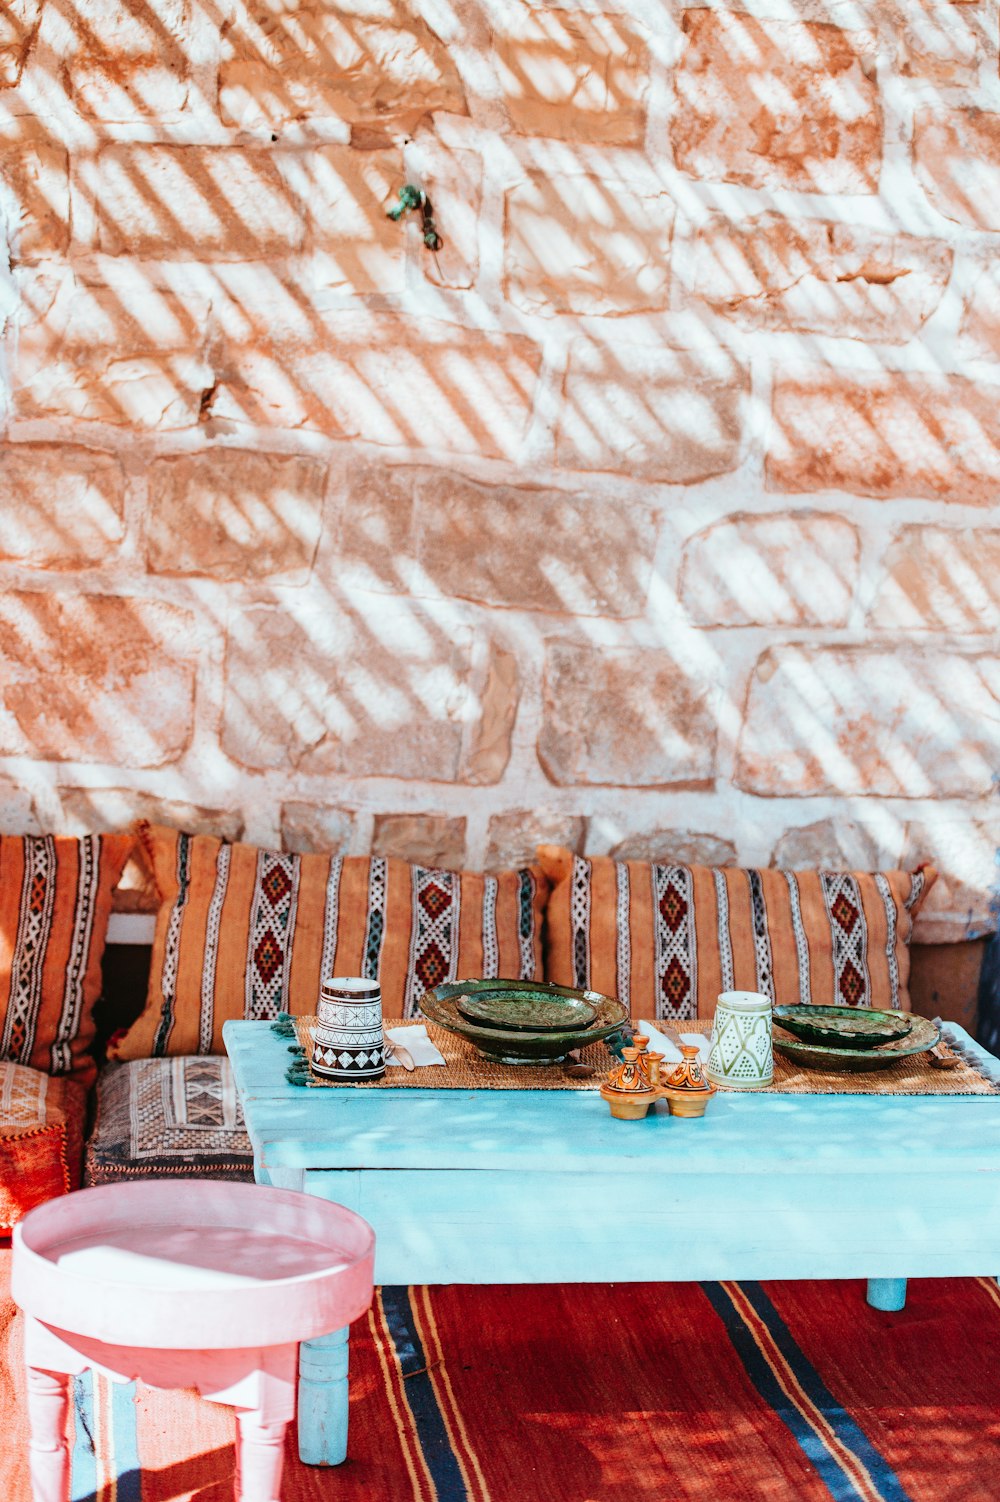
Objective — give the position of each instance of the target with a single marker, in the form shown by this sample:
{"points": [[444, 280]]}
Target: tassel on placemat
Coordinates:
{"points": [[298, 1073], [284, 1025]]}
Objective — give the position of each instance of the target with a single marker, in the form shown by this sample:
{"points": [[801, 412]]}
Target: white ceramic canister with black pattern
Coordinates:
{"points": [[347, 1039]]}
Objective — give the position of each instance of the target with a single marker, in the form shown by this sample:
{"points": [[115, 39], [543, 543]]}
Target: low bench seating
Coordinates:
{"points": [[242, 931]]}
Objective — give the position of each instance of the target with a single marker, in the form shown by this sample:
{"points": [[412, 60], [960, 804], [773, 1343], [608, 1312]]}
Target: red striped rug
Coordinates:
{"points": [[636, 1393]]}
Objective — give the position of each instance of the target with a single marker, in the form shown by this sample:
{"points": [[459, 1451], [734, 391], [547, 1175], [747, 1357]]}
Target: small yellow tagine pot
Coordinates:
{"points": [[685, 1086]]}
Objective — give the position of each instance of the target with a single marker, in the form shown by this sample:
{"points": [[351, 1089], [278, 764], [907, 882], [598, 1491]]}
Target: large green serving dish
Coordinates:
{"points": [[518, 1045], [922, 1035], [844, 1027]]}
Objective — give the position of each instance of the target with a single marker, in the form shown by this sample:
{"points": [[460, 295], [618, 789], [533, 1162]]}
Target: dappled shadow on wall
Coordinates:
{"points": [[259, 289]]}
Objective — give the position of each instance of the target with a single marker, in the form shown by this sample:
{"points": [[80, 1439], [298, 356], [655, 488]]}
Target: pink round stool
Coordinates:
{"points": [[184, 1283]]}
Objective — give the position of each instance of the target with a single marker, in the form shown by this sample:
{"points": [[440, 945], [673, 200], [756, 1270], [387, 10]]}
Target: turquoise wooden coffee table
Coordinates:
{"points": [[542, 1186]]}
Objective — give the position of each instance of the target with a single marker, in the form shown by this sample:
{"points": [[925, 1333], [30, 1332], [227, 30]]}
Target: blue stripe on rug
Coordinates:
{"points": [[121, 1446], [124, 1424], [432, 1432], [835, 1478], [847, 1430], [83, 1460]]}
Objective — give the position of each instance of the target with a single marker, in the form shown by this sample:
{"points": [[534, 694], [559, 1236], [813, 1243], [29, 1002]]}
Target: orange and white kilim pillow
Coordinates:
{"points": [[55, 899], [668, 939], [243, 932], [41, 1139]]}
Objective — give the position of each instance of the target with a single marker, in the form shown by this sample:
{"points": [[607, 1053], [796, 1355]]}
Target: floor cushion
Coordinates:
{"points": [[667, 939], [55, 899], [41, 1139], [243, 932], [159, 1117]]}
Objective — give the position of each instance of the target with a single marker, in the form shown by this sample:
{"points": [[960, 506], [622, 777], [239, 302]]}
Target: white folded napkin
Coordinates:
{"points": [[415, 1040], [660, 1044]]}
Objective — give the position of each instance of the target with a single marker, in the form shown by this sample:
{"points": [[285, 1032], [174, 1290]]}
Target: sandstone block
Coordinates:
{"points": [[309, 826], [453, 180], [326, 693], [831, 845], [127, 31], [343, 195], [810, 276], [676, 847], [368, 532], [887, 435], [436, 840], [587, 245], [979, 332], [573, 76], [956, 156], [231, 514], [236, 203], [592, 695], [514, 836], [34, 198], [91, 810], [936, 579], [798, 570], [775, 104], [129, 62], [651, 413], [532, 549], [19, 21], [496, 692], [62, 505], [105, 355], [962, 843], [94, 678], [941, 44], [388, 380], [859, 721], [116, 89], [378, 68]]}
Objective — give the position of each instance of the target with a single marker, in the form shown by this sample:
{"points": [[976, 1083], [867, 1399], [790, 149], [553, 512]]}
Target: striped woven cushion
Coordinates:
{"points": [[246, 932], [668, 939], [41, 1139], [55, 898]]}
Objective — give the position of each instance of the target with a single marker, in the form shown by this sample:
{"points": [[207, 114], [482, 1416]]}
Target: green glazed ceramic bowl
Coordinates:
{"points": [[922, 1035], [517, 1045], [844, 1027]]}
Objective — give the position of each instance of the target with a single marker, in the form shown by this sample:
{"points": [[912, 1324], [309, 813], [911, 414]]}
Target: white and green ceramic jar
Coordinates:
{"points": [[740, 1056]]}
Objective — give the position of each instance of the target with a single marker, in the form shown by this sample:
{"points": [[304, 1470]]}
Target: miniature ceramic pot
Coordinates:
{"points": [[628, 1105], [627, 1089], [685, 1086], [740, 1056], [347, 1039]]}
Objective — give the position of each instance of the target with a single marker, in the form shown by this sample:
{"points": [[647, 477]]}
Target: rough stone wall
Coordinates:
{"points": [[655, 514]]}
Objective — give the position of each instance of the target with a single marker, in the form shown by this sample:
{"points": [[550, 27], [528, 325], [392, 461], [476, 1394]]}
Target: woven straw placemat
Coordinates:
{"points": [[467, 1070]]}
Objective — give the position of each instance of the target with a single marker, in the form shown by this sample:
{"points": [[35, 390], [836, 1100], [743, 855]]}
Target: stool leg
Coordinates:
{"points": [[323, 1364], [262, 1452], [48, 1405], [887, 1293]]}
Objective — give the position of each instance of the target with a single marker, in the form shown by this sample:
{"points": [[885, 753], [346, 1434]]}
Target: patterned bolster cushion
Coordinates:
{"points": [[55, 900], [246, 933], [668, 939], [41, 1139], [160, 1117]]}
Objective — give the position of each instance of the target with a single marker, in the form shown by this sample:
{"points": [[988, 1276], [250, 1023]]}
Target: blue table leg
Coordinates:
{"points": [[887, 1293], [323, 1399]]}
